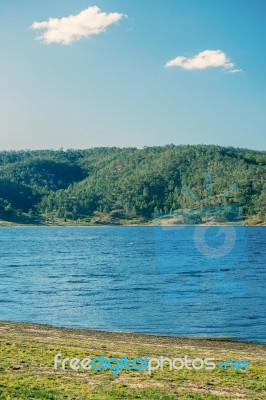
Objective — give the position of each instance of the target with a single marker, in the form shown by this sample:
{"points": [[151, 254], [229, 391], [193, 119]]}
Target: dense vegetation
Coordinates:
{"points": [[192, 184]]}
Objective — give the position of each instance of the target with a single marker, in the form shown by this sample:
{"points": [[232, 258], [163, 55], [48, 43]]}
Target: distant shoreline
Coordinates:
{"points": [[83, 225]]}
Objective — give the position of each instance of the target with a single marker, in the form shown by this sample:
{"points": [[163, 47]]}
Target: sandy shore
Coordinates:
{"points": [[39, 331]]}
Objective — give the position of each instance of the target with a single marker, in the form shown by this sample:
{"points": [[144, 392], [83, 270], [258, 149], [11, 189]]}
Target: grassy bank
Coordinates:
{"points": [[27, 357]]}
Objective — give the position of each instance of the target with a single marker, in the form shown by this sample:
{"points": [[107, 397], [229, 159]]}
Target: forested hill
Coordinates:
{"points": [[192, 184]]}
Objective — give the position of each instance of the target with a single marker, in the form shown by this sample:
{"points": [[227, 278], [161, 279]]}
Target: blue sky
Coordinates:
{"points": [[113, 89]]}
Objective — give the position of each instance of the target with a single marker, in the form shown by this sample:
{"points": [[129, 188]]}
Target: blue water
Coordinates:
{"points": [[169, 281]]}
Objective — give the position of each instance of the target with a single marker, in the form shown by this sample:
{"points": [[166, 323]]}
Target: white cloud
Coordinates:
{"points": [[66, 30], [204, 59], [235, 71]]}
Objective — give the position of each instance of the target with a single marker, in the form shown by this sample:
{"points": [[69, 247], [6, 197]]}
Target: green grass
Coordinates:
{"points": [[27, 356]]}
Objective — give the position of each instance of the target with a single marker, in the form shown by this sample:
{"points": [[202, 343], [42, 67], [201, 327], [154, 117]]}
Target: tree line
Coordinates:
{"points": [[116, 185]]}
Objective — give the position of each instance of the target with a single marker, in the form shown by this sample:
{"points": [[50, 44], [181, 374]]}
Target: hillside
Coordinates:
{"points": [[188, 184]]}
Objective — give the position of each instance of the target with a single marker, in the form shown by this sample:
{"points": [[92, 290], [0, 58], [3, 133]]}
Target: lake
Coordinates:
{"points": [[181, 281]]}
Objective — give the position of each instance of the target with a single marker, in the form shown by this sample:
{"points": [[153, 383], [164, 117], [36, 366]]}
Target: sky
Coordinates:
{"points": [[81, 73]]}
